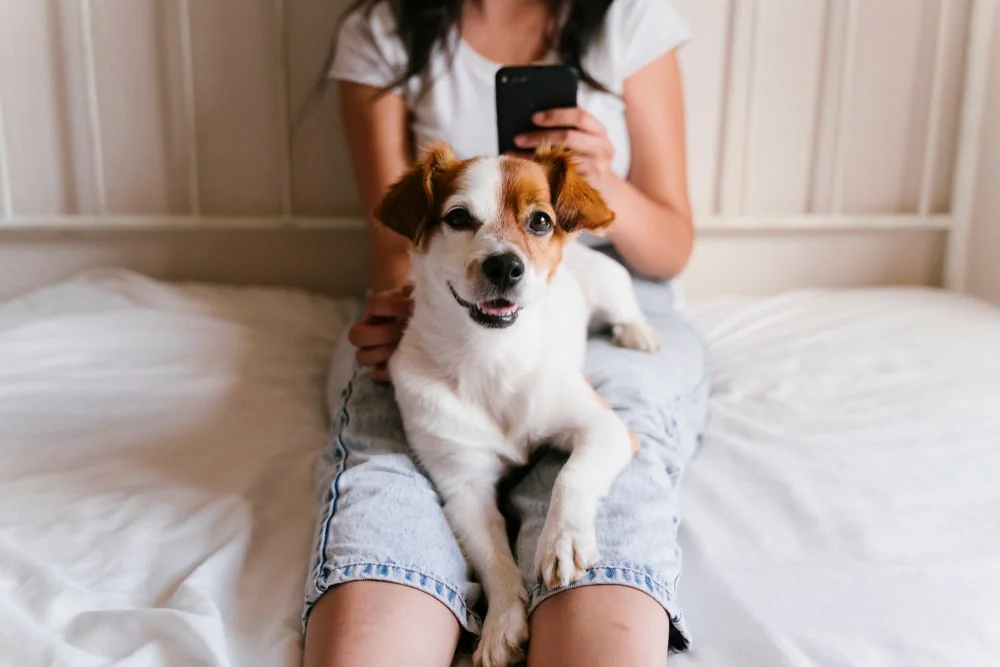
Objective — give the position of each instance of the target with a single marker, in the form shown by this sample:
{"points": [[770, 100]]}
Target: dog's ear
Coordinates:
{"points": [[407, 207], [579, 206]]}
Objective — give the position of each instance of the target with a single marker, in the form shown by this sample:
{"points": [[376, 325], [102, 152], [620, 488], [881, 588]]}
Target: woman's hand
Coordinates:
{"points": [[380, 329], [578, 130]]}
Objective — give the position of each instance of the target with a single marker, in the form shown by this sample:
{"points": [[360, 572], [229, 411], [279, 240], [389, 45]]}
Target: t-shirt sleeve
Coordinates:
{"points": [[647, 29], [368, 48]]}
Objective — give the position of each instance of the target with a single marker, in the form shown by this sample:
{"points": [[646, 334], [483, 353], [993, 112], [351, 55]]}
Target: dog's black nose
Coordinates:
{"points": [[504, 270]]}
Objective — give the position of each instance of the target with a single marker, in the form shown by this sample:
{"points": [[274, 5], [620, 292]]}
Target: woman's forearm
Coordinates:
{"points": [[651, 237], [390, 258], [377, 135]]}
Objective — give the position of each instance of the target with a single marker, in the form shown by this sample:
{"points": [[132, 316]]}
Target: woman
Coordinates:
{"points": [[389, 585]]}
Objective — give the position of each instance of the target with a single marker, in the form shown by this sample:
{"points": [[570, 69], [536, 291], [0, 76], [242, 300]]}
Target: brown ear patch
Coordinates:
{"points": [[408, 207], [579, 206]]}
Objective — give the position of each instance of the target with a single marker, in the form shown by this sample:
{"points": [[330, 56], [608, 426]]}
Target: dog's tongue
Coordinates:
{"points": [[497, 307]]}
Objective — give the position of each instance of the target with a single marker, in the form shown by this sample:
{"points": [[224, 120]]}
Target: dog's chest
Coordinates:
{"points": [[508, 402], [511, 420]]}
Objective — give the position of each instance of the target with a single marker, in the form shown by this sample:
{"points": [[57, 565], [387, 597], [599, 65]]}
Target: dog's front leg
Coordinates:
{"points": [[459, 445], [600, 447], [467, 478]]}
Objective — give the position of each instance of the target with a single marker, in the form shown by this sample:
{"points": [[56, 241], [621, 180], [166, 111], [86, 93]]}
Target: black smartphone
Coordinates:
{"points": [[521, 91]]}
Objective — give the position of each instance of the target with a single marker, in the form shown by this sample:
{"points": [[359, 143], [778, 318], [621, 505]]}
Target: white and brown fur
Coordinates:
{"points": [[478, 394]]}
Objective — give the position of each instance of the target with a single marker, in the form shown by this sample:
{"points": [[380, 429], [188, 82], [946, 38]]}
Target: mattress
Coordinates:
{"points": [[157, 445]]}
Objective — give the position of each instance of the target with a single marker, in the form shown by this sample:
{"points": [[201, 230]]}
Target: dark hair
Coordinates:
{"points": [[423, 24]]}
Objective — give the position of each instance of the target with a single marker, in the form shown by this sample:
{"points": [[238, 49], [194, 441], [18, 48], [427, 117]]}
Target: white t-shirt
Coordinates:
{"points": [[456, 102]]}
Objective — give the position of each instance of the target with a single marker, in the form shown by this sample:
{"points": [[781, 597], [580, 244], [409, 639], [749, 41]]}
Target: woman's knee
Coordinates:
{"points": [[380, 518], [597, 626], [375, 623]]}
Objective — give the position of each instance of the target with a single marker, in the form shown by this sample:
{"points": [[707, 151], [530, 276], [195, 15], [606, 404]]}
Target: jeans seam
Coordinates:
{"points": [[638, 572], [641, 580], [472, 620], [334, 494]]}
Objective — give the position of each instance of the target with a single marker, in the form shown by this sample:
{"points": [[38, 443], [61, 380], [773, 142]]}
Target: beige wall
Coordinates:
{"points": [[984, 271], [236, 47], [238, 170]]}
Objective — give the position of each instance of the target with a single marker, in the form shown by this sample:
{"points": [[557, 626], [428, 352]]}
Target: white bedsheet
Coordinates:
{"points": [[844, 509], [156, 463], [156, 486]]}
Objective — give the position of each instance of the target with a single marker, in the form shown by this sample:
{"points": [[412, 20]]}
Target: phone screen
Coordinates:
{"points": [[522, 91]]}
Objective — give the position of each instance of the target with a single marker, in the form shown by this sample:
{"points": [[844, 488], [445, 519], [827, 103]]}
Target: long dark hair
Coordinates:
{"points": [[423, 24]]}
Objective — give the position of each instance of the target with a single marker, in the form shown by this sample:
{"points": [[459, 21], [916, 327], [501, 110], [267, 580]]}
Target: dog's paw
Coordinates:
{"points": [[505, 630], [636, 335], [566, 550]]}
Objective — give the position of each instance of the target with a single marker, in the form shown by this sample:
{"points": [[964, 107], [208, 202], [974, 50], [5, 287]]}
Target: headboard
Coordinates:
{"points": [[831, 142]]}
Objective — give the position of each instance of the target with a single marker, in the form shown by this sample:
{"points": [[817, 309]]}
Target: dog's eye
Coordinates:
{"points": [[540, 224], [459, 219]]}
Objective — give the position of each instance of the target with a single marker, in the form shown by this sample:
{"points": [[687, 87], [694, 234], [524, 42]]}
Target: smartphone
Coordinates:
{"points": [[521, 91]]}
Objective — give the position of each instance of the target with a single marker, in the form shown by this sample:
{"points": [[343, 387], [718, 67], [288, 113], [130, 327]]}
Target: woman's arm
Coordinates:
{"points": [[653, 230], [655, 233], [378, 140]]}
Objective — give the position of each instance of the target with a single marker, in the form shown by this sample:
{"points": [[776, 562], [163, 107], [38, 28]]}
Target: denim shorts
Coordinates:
{"points": [[381, 519]]}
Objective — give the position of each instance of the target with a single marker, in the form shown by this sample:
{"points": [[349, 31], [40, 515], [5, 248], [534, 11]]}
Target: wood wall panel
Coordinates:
{"points": [[787, 78], [235, 49], [37, 124], [237, 45]]}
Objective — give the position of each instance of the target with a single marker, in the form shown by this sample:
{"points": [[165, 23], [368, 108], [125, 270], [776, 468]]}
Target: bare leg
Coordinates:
{"points": [[599, 626], [379, 624]]}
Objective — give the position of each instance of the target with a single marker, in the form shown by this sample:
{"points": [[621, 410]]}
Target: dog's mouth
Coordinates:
{"points": [[496, 313]]}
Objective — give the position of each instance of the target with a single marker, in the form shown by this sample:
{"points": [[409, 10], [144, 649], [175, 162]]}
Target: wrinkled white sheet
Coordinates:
{"points": [[844, 509], [157, 447], [156, 477]]}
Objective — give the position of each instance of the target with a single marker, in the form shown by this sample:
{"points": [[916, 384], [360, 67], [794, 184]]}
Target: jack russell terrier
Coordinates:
{"points": [[490, 366]]}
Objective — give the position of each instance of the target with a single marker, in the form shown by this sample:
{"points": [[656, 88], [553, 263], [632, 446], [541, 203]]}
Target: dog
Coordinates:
{"points": [[490, 366]]}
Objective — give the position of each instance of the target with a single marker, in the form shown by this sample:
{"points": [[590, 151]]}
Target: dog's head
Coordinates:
{"points": [[491, 231]]}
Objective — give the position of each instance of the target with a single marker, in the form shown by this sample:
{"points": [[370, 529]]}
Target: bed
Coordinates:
{"points": [[179, 236], [157, 444]]}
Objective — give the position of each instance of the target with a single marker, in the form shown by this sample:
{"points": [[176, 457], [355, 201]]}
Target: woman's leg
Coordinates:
{"points": [[379, 624], [625, 610], [389, 584], [599, 626]]}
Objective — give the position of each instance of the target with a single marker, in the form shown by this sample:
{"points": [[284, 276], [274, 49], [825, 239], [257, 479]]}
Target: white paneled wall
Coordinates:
{"points": [[111, 132], [984, 279], [842, 115]]}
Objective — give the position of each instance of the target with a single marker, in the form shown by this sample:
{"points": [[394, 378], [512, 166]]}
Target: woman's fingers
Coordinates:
{"points": [[385, 318], [374, 356], [370, 334], [569, 117], [571, 127], [381, 328], [396, 303], [381, 373], [581, 142]]}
